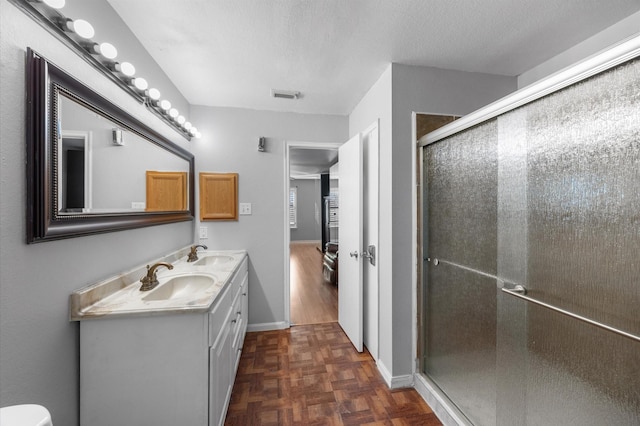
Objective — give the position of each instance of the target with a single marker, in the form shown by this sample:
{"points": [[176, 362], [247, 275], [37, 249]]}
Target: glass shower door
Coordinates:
{"points": [[460, 227], [546, 196], [579, 179]]}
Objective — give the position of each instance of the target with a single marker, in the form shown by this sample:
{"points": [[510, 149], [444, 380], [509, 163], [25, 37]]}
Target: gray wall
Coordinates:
{"points": [[230, 144], [400, 91], [612, 35], [38, 345], [309, 223]]}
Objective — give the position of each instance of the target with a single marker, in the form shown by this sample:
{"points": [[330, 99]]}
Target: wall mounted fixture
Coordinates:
{"points": [[285, 94], [262, 142], [117, 137], [77, 34]]}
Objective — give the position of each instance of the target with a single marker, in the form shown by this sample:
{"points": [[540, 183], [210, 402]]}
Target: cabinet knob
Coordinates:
{"points": [[239, 313], [233, 321], [244, 294]]}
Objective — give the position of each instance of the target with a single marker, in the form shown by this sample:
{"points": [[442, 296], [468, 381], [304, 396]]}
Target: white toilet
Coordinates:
{"points": [[25, 415]]}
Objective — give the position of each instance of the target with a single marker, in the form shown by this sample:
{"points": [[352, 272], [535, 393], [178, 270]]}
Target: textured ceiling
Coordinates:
{"points": [[233, 52]]}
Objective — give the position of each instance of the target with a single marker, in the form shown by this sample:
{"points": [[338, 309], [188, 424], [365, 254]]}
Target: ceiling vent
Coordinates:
{"points": [[285, 94]]}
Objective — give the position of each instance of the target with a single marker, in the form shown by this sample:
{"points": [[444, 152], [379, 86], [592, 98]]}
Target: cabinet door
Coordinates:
{"points": [[218, 196], [220, 375], [244, 295], [237, 328]]}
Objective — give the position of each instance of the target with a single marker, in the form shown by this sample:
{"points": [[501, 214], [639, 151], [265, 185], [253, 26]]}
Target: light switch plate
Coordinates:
{"points": [[203, 233], [138, 205], [245, 208]]}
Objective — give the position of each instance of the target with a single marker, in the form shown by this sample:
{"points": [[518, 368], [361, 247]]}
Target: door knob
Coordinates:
{"points": [[354, 254]]}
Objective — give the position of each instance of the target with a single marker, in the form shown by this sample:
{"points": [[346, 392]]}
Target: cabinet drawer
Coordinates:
{"points": [[242, 313], [222, 307]]}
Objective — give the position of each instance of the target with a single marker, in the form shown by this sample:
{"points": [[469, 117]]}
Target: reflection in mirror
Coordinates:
{"points": [[102, 166], [92, 167]]}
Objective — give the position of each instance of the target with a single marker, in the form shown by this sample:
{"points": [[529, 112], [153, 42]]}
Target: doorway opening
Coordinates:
{"points": [[358, 271], [74, 172], [311, 258]]}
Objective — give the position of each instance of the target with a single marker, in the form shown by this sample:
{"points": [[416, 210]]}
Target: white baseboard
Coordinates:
{"points": [[394, 382], [447, 414], [268, 326]]}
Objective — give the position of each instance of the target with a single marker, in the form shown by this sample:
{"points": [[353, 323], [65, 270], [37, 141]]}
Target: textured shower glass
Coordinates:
{"points": [[547, 196], [461, 192], [460, 345], [583, 205]]}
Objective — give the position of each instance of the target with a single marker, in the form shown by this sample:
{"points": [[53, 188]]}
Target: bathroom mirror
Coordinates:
{"points": [[92, 167]]}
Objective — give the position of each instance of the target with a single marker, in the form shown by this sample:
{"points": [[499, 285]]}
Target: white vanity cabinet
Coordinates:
{"points": [[226, 336], [164, 369]]}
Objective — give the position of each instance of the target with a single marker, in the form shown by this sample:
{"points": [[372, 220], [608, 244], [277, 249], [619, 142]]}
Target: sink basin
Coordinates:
{"points": [[213, 259], [181, 286]]}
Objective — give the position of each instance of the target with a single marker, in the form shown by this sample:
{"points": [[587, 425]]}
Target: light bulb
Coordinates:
{"points": [[188, 125], [81, 27], [140, 84], [126, 68], [107, 50], [154, 94], [165, 105], [54, 4], [193, 131], [181, 119], [198, 135], [173, 113]]}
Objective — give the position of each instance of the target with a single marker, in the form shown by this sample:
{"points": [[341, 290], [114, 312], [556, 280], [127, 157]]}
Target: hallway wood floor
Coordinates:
{"points": [[313, 301], [312, 375]]}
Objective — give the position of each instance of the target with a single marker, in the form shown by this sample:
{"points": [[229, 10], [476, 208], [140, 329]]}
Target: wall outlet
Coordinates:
{"points": [[245, 208], [139, 205], [203, 233]]}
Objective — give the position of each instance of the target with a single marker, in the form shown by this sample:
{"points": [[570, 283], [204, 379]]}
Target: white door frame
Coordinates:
{"points": [[287, 231]]}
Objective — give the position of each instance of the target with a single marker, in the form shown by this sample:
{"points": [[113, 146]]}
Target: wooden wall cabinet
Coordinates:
{"points": [[166, 191], [218, 196]]}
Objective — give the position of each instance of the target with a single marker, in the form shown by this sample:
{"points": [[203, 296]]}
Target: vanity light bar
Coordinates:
{"points": [[77, 34]]}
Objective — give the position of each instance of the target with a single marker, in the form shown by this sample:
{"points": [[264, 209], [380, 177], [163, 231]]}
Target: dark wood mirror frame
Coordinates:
{"points": [[43, 221]]}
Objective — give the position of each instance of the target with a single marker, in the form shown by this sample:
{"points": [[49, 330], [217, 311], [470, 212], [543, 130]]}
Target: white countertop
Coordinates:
{"points": [[120, 295]]}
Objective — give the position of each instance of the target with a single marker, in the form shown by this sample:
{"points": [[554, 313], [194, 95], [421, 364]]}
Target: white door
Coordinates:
{"points": [[370, 238], [350, 240]]}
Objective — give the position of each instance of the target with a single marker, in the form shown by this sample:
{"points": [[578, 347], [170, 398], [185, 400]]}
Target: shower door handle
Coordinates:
{"points": [[354, 254], [520, 292]]}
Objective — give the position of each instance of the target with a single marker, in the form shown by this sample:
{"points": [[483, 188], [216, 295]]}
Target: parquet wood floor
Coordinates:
{"points": [[312, 375], [312, 299]]}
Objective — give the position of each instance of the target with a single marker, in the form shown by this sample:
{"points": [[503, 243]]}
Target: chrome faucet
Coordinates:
{"points": [[193, 255], [150, 281]]}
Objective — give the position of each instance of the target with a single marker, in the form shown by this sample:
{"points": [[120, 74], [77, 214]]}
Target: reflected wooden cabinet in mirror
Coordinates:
{"points": [[89, 161]]}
